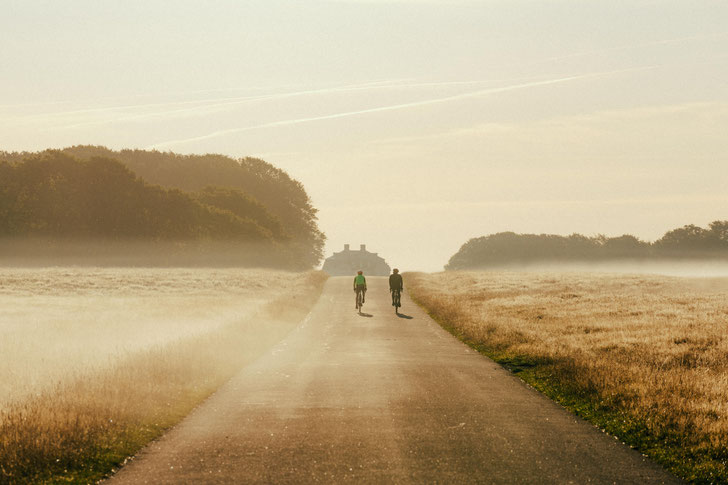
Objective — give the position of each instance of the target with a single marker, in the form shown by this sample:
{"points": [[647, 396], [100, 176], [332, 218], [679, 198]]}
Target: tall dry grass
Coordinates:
{"points": [[90, 417], [644, 357], [56, 322]]}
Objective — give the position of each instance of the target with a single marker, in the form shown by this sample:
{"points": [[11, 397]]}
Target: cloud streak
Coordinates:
{"points": [[205, 104], [220, 104], [216, 104], [394, 107]]}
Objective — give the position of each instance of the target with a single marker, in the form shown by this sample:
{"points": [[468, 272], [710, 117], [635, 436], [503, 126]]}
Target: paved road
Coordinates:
{"points": [[381, 399]]}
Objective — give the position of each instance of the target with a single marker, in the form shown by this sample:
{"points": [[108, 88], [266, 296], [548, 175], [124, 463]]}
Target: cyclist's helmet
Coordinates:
{"points": [[359, 272], [395, 271]]}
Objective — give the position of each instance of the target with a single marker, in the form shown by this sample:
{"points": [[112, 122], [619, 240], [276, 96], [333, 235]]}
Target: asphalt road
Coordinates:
{"points": [[377, 398]]}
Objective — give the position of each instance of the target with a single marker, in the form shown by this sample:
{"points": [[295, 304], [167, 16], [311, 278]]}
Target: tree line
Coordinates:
{"points": [[507, 248], [89, 192]]}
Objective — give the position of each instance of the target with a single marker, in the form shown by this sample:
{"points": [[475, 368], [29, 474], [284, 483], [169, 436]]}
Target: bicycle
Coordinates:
{"points": [[396, 294], [359, 299]]}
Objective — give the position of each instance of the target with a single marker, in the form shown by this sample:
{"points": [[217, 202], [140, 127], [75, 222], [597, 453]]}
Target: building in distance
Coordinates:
{"points": [[348, 262]]}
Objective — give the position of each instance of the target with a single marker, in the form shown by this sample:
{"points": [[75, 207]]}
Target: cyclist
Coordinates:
{"points": [[360, 285], [395, 286]]}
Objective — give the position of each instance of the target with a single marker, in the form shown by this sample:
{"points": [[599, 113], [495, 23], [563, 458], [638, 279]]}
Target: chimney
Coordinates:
{"points": [[363, 247], [346, 247]]}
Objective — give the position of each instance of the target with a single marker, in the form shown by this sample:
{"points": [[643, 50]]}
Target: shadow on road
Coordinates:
{"points": [[402, 315], [365, 315]]}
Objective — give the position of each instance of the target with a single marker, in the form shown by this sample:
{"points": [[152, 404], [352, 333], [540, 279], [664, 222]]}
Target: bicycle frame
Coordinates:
{"points": [[359, 299], [396, 295]]}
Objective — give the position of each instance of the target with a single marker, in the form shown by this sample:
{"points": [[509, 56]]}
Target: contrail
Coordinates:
{"points": [[472, 94], [228, 102], [171, 93], [205, 102], [370, 85]]}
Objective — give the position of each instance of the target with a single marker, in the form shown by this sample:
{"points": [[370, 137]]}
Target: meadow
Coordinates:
{"points": [[643, 357], [96, 362]]}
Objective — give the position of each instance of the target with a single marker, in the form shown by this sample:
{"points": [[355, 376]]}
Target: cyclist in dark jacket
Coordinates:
{"points": [[395, 286]]}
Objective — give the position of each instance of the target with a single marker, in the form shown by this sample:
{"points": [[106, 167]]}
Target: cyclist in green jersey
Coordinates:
{"points": [[360, 285]]}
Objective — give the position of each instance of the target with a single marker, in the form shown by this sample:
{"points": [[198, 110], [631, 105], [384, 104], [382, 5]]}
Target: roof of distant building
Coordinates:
{"points": [[348, 262]]}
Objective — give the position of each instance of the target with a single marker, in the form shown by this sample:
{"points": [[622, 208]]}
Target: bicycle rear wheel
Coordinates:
{"points": [[395, 300]]}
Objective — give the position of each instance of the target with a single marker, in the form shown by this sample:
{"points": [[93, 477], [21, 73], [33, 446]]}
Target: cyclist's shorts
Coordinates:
{"points": [[360, 288]]}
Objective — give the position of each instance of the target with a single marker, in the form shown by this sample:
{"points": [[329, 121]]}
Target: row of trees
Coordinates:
{"points": [[88, 193], [284, 197], [507, 248]]}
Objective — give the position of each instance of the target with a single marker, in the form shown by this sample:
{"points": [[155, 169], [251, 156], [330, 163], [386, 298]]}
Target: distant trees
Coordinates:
{"points": [[283, 197], [510, 248], [244, 207], [695, 239], [57, 194]]}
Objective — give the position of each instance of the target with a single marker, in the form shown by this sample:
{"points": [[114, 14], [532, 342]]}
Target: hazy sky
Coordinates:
{"points": [[413, 124]]}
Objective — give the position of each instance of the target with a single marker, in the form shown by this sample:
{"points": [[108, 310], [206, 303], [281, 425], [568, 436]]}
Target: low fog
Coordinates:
{"points": [[95, 252], [682, 268], [65, 322]]}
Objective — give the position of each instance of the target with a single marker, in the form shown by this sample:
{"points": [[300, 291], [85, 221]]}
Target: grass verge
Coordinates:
{"points": [[83, 429], [643, 358]]}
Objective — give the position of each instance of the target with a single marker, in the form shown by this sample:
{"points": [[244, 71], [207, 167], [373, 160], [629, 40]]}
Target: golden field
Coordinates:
{"points": [[97, 362], [643, 357]]}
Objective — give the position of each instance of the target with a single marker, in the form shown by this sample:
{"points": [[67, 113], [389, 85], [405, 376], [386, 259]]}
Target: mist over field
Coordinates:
{"points": [[60, 323], [99, 361], [37, 252], [687, 268]]}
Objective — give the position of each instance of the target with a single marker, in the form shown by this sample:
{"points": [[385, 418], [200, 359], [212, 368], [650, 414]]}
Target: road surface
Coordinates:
{"points": [[377, 398]]}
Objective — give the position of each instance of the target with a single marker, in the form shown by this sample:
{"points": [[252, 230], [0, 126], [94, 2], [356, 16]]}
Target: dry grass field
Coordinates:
{"points": [[97, 362], [643, 357]]}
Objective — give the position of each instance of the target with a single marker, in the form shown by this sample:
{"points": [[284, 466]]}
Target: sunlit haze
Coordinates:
{"points": [[413, 125]]}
